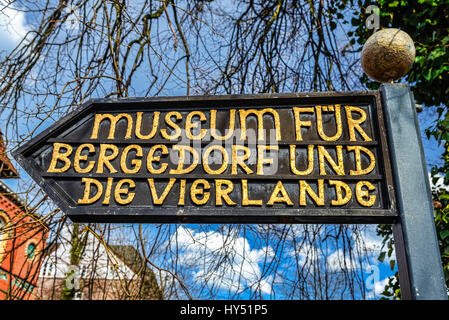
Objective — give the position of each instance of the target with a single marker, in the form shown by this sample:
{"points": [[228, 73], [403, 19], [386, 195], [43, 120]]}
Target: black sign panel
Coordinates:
{"points": [[318, 158]]}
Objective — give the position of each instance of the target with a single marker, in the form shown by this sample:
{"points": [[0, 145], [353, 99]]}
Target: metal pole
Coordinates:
{"points": [[419, 261]]}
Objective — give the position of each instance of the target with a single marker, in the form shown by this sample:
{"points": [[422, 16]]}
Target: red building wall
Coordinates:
{"points": [[21, 232]]}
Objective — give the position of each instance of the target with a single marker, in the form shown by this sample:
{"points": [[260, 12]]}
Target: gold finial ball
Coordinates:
{"points": [[388, 55]]}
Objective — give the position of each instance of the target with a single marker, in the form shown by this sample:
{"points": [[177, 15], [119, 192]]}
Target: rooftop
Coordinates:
{"points": [[7, 170]]}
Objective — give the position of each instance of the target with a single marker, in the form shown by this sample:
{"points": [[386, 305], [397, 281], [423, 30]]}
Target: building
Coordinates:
{"points": [[22, 239], [7, 170], [31, 268], [104, 271]]}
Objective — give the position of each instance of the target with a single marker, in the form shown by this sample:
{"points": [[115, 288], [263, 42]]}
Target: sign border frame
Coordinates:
{"points": [[214, 214]]}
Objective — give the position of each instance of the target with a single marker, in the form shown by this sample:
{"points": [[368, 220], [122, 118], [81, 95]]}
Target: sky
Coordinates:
{"points": [[193, 242], [12, 27]]}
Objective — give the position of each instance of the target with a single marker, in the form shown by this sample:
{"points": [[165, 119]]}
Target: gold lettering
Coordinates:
{"points": [[104, 160], [191, 125], [152, 133], [194, 191], [57, 155], [119, 191], [181, 159], [156, 199], [79, 157], [170, 123], [358, 160], [274, 195], [339, 185], [319, 116], [87, 184], [323, 154], [107, 194], [224, 155], [261, 160], [152, 158], [239, 160], [135, 162], [355, 124], [245, 200], [260, 127], [305, 188], [182, 192], [299, 123], [213, 125], [362, 194], [223, 193], [309, 159], [113, 119]]}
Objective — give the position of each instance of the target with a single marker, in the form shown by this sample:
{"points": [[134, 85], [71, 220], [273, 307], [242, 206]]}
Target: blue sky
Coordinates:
{"points": [[191, 239]]}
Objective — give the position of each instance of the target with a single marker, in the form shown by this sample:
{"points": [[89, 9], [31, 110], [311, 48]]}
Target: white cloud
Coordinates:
{"points": [[365, 244], [373, 245], [379, 287], [338, 261], [222, 260], [305, 254], [439, 184], [12, 25], [368, 241]]}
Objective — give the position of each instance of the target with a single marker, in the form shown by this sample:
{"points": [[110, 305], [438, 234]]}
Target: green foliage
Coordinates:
{"points": [[427, 22], [442, 227], [392, 289]]}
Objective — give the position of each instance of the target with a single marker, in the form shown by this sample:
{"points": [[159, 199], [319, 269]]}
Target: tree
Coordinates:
{"points": [[427, 22], [76, 50], [77, 245]]}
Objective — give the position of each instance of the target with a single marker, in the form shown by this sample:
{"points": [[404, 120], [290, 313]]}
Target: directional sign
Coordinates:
{"points": [[282, 158]]}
